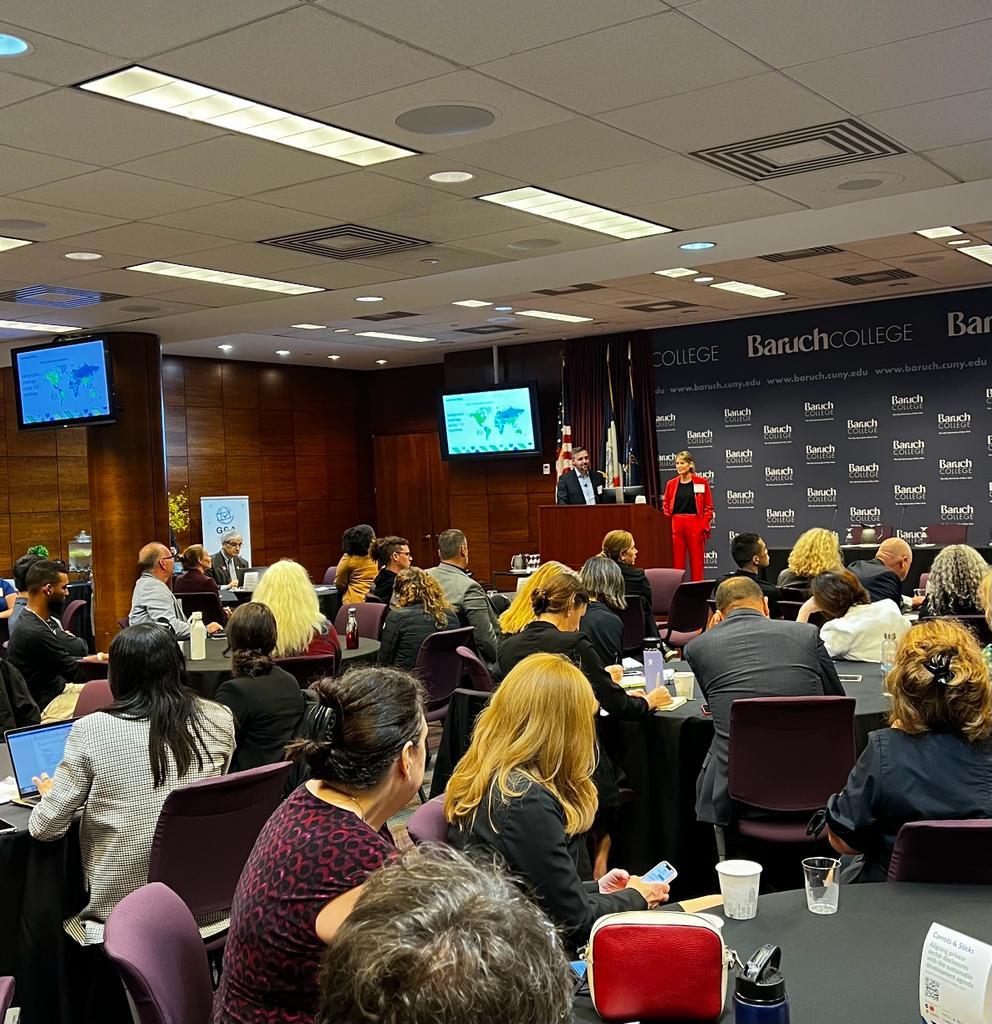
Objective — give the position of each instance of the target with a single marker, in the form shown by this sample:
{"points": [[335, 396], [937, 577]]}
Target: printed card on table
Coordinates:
{"points": [[955, 978]]}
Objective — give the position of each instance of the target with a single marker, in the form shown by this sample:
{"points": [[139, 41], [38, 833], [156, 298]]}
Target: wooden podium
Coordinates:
{"points": [[572, 533]]}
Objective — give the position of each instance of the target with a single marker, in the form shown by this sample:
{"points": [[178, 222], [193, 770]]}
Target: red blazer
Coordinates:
{"points": [[704, 499]]}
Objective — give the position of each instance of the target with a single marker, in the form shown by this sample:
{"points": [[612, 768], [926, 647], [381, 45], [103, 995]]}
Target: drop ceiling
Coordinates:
{"points": [[803, 124]]}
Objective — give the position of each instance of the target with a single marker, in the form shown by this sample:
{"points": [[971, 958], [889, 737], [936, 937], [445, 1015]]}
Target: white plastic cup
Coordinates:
{"points": [[640, 500], [739, 888], [684, 685]]}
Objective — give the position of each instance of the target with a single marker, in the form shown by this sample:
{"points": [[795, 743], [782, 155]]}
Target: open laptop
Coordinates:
{"points": [[33, 750], [254, 574]]}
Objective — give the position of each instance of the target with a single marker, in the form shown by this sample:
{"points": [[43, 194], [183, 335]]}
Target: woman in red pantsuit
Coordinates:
{"points": [[689, 504]]}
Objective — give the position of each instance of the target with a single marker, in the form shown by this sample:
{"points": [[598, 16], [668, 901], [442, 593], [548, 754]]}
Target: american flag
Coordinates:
{"points": [[564, 461]]}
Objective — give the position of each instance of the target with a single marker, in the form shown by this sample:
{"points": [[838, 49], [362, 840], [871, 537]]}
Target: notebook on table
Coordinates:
{"points": [[33, 750]]}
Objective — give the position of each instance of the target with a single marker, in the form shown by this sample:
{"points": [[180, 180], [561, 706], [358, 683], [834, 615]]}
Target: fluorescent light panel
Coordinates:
{"points": [[945, 232], [540, 314], [172, 95], [978, 252], [11, 243], [390, 337], [202, 275], [308, 327], [676, 272], [20, 325], [552, 206], [471, 303], [754, 290]]}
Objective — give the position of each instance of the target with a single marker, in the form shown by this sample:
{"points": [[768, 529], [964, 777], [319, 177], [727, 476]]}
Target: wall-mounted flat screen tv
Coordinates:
{"points": [[499, 421], [64, 384]]}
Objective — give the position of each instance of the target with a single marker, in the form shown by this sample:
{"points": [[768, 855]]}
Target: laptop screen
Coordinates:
{"points": [[36, 750]]}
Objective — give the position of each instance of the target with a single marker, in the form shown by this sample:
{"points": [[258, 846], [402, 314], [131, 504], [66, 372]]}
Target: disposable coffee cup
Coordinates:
{"points": [[739, 888], [684, 685], [640, 500]]}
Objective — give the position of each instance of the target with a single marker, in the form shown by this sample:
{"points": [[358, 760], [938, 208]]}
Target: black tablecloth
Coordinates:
{"points": [[860, 965], [206, 676]]}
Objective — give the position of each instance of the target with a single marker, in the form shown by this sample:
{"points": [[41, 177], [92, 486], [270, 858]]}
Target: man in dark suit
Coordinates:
{"points": [[226, 563], [747, 654], [750, 553], [577, 487], [882, 575]]}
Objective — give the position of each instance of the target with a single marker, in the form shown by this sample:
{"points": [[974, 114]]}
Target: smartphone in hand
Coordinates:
{"points": [[661, 872]]}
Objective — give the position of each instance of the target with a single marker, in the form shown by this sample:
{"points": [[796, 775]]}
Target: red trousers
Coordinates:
{"points": [[688, 539]]}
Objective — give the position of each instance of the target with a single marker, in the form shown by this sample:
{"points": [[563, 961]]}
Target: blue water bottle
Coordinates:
{"points": [[759, 990]]}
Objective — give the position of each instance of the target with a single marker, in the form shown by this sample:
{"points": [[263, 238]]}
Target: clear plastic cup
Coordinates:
{"points": [[739, 888], [685, 685], [822, 877]]}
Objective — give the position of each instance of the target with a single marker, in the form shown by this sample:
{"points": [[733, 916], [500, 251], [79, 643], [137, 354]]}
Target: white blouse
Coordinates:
{"points": [[858, 635]]}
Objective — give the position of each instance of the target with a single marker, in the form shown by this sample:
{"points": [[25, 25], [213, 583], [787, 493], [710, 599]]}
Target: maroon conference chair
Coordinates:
{"points": [[206, 831], [329, 574], [474, 668], [688, 613], [206, 603], [371, 617], [943, 852], [664, 583], [789, 609], [92, 669], [924, 580], [152, 940], [947, 533], [71, 619], [307, 668], [787, 756], [439, 667], [632, 618], [6, 995], [95, 696], [428, 823]]}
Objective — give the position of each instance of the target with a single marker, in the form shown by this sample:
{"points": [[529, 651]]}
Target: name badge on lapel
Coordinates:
{"points": [[699, 488]]}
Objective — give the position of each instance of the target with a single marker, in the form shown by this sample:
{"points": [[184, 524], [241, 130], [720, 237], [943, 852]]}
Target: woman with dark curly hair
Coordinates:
{"points": [[419, 609], [357, 569]]}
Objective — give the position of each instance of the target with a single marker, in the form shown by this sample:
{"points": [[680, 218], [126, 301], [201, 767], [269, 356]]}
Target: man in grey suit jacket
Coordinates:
{"points": [[464, 594], [153, 600], [747, 654]]}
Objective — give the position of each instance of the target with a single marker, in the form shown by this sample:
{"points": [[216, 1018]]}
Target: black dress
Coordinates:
{"points": [[605, 630]]}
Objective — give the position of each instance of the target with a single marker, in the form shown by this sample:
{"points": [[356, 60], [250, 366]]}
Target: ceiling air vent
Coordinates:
{"points": [[661, 306], [58, 297], [345, 242], [800, 254], [396, 314], [876, 277], [573, 289]]}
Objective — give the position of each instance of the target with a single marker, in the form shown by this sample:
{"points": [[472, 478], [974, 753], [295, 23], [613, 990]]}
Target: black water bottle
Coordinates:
{"points": [[759, 990]]}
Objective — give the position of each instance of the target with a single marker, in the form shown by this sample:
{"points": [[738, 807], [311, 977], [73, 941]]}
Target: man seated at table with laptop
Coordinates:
{"points": [[225, 564], [883, 575], [152, 599], [45, 654], [747, 654]]}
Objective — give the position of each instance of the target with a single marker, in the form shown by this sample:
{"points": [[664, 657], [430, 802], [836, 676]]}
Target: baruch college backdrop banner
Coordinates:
{"points": [[881, 410]]}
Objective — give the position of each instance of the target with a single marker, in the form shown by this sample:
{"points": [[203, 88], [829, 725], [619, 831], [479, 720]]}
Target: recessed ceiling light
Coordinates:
{"points": [[334, 357], [527, 244], [859, 184], [945, 232], [702, 280], [13, 46], [960, 241], [391, 337], [368, 298], [754, 290], [445, 119], [283, 352], [978, 252], [500, 320], [83, 256], [380, 362], [202, 275], [340, 330], [502, 309], [450, 177], [225, 110], [20, 325], [309, 327], [694, 246], [15, 224], [225, 348], [11, 243], [540, 314], [675, 272], [553, 206], [471, 303]]}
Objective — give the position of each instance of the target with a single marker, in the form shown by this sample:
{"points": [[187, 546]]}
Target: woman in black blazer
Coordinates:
{"points": [[419, 609], [618, 546], [603, 582], [524, 790]]}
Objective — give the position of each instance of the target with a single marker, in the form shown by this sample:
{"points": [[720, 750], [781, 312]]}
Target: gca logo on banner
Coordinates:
{"points": [[862, 430], [862, 473], [780, 517], [778, 477], [914, 494], [953, 423], [743, 458], [907, 405], [955, 469], [737, 417], [740, 499], [777, 434], [909, 451], [821, 454], [821, 497]]}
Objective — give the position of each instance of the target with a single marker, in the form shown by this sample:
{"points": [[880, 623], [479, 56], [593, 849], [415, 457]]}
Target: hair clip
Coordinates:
{"points": [[939, 666]]}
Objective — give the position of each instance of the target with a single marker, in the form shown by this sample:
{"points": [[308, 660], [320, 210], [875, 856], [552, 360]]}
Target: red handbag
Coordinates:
{"points": [[645, 965]]}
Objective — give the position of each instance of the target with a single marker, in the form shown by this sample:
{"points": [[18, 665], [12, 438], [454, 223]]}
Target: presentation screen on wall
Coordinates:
{"points": [[223, 514], [498, 422], [67, 384]]}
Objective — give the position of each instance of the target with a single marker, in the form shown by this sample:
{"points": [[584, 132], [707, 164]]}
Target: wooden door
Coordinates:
{"points": [[411, 491]]}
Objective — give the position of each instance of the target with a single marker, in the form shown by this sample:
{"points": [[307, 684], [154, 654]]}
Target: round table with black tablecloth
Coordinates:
{"points": [[860, 965], [206, 676]]}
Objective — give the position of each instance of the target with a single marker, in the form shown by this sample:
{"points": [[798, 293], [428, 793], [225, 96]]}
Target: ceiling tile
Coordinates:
{"points": [[354, 197], [236, 166], [215, 295], [148, 240], [59, 223], [417, 168], [14, 88], [94, 128], [951, 121], [972, 162], [23, 169], [55, 61], [416, 262], [116, 193], [242, 219], [733, 111], [470, 33], [328, 60], [568, 239], [894, 245], [126, 282], [150, 26], [45, 264], [548, 153], [723, 207], [342, 274], [910, 71], [463, 218], [606, 69], [258, 260]]}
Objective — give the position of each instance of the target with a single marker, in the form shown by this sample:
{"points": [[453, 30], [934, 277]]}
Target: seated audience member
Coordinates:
{"points": [[524, 789], [356, 572], [746, 654], [955, 576], [464, 594], [315, 853], [419, 609], [816, 551], [265, 700], [19, 601], [883, 575], [935, 760], [122, 762], [225, 564], [153, 600], [8, 595], [301, 626], [392, 555], [618, 545], [41, 650], [196, 579], [855, 625], [750, 554], [521, 611], [603, 582], [456, 938], [985, 600]]}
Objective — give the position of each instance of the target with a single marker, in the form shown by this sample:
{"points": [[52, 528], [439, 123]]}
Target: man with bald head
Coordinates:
{"points": [[882, 575], [153, 600]]}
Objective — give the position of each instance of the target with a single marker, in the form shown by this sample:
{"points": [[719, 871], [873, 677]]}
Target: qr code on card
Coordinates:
{"points": [[931, 990]]}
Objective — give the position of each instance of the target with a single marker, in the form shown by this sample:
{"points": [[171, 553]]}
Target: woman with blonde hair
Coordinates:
{"points": [[955, 576], [934, 762], [419, 609], [619, 547], [985, 600], [524, 790], [301, 626], [520, 611], [816, 551], [688, 502]]}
